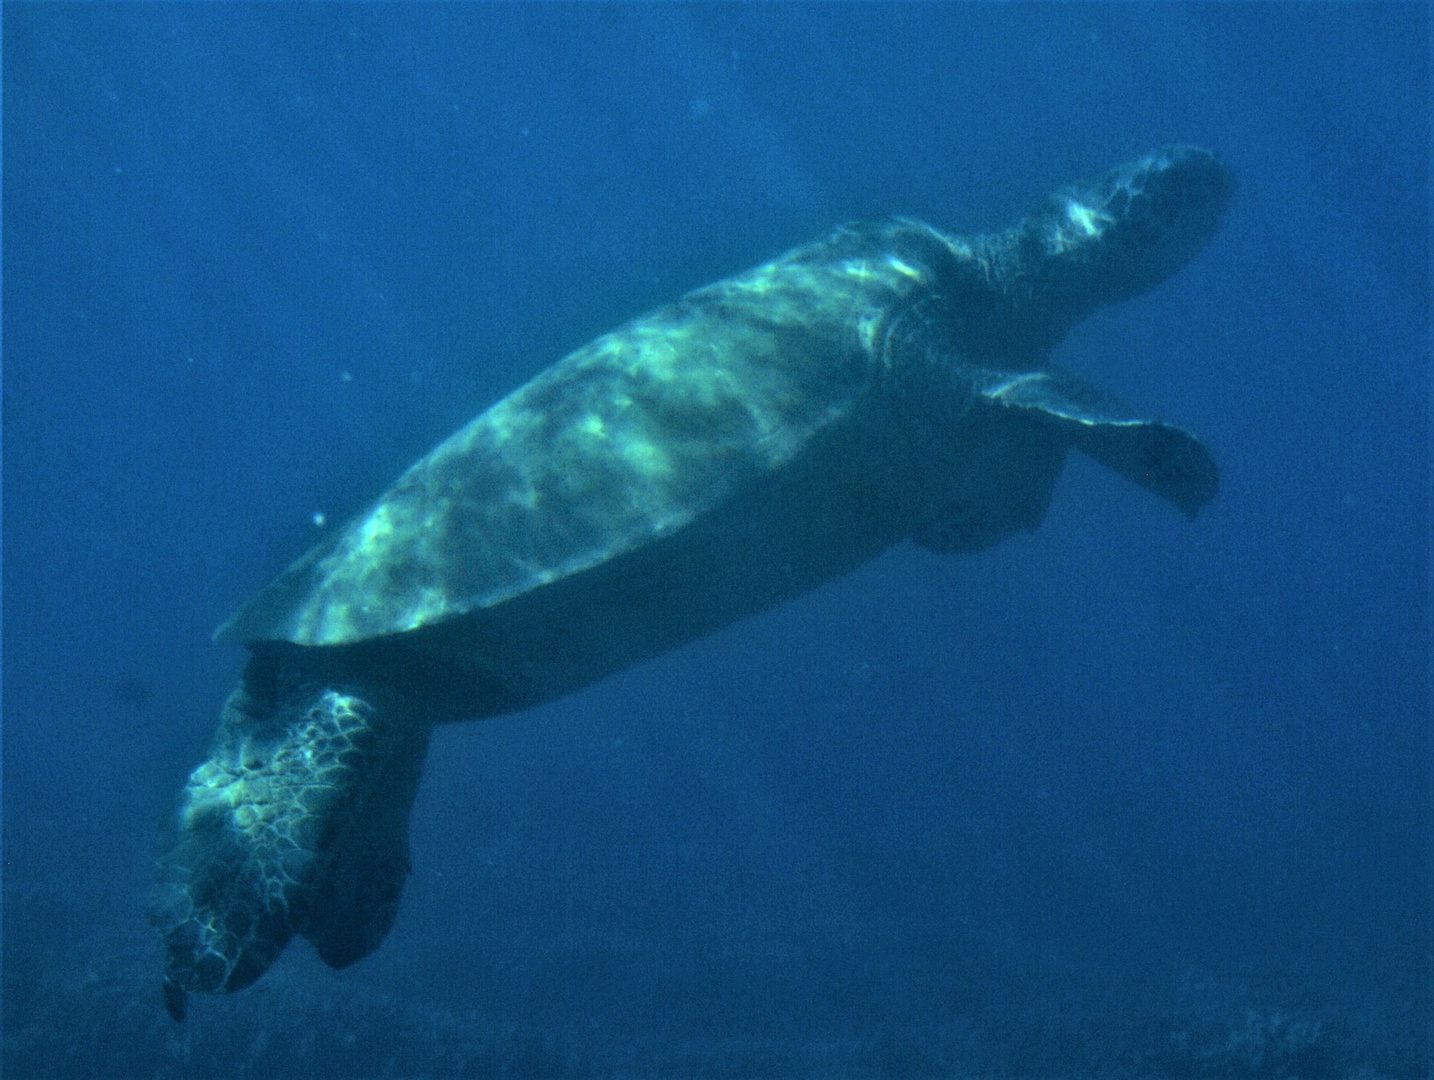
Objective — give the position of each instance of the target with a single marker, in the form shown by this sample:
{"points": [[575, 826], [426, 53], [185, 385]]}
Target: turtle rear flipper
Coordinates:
{"points": [[297, 823]]}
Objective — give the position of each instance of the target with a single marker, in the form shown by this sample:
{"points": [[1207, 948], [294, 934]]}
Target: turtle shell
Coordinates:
{"points": [[623, 444]]}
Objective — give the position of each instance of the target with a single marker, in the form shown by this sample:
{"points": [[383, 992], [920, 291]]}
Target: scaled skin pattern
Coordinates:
{"points": [[721, 454]]}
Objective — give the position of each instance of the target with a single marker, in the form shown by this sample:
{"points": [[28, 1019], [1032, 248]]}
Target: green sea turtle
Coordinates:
{"points": [[723, 453]]}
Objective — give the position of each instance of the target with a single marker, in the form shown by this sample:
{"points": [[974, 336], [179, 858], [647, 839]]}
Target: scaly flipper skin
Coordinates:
{"points": [[719, 455], [297, 822]]}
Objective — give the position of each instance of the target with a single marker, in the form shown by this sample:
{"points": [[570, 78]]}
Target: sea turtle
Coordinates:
{"points": [[723, 453]]}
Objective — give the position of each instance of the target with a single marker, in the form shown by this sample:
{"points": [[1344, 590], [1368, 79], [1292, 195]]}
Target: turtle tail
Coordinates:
{"points": [[1088, 245], [297, 823]]}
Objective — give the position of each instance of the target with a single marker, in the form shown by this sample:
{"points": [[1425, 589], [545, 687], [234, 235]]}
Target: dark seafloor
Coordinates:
{"points": [[1129, 796]]}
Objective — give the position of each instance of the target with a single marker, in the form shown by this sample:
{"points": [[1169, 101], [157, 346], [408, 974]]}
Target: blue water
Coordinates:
{"points": [[1126, 796]]}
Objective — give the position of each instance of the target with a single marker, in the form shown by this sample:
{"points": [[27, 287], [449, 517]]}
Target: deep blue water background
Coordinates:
{"points": [[1129, 794]]}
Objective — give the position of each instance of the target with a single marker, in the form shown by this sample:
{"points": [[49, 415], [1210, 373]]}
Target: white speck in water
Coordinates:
{"points": [[319, 519]]}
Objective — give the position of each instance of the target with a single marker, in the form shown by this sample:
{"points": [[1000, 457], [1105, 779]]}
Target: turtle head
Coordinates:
{"points": [[1133, 227], [1017, 293]]}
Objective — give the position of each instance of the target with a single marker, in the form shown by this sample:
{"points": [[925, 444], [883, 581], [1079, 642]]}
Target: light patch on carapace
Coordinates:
{"points": [[628, 438]]}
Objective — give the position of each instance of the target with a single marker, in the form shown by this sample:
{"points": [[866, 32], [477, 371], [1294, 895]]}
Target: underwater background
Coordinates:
{"points": [[1128, 796]]}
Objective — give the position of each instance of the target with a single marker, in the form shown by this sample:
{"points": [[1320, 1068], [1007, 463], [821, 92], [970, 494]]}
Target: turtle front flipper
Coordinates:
{"points": [[1159, 457], [297, 823]]}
